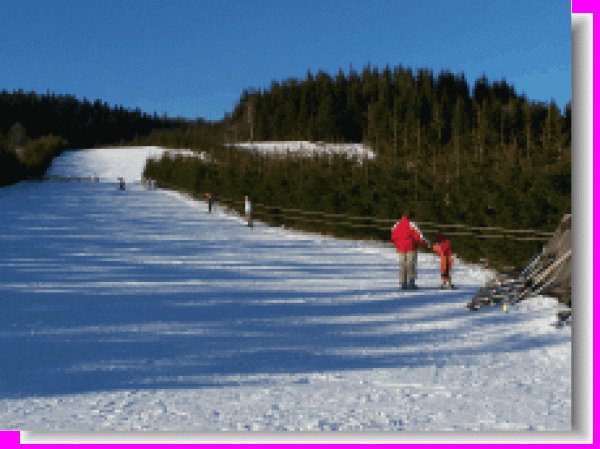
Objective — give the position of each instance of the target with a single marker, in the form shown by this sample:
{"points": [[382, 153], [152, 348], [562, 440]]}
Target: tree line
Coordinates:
{"points": [[414, 116], [35, 128], [478, 155], [483, 156]]}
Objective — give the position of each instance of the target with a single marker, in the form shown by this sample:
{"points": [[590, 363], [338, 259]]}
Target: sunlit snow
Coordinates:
{"points": [[306, 148], [138, 310]]}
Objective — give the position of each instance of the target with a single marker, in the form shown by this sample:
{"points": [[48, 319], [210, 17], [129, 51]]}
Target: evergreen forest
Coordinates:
{"points": [[35, 128], [460, 157], [454, 154]]}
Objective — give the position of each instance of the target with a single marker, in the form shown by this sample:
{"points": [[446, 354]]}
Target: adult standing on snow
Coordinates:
{"points": [[406, 236]]}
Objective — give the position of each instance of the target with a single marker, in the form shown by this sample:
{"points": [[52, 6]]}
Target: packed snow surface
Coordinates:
{"points": [[108, 164], [138, 310]]}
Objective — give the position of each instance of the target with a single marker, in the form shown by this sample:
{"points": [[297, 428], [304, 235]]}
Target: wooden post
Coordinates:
{"points": [[248, 210], [209, 200]]}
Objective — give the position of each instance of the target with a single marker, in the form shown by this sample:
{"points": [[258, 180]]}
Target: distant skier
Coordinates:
{"points": [[248, 210], [121, 184], [406, 236], [444, 250]]}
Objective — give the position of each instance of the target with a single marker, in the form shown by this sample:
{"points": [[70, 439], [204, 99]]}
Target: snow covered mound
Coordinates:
{"points": [[138, 310], [306, 148], [108, 164]]}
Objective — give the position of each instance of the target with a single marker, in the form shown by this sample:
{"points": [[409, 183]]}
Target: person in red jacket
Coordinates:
{"points": [[406, 237], [443, 249]]}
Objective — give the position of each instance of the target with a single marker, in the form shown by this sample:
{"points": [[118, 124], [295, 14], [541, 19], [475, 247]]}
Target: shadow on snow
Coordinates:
{"points": [[103, 290]]}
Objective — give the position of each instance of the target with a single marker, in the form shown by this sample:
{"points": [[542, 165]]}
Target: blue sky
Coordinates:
{"points": [[193, 58]]}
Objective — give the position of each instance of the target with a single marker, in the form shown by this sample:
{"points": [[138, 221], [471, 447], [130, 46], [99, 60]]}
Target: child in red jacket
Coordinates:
{"points": [[443, 249]]}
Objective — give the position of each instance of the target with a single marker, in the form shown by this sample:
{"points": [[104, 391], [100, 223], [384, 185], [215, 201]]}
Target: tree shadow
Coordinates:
{"points": [[109, 291]]}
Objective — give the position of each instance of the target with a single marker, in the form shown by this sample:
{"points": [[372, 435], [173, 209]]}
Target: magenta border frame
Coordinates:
{"points": [[12, 439]]}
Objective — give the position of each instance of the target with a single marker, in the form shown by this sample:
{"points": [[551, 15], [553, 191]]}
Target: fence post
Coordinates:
{"points": [[210, 201], [248, 210]]}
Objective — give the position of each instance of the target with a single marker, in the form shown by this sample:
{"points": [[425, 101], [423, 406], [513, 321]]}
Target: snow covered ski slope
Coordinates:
{"points": [[138, 310]]}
